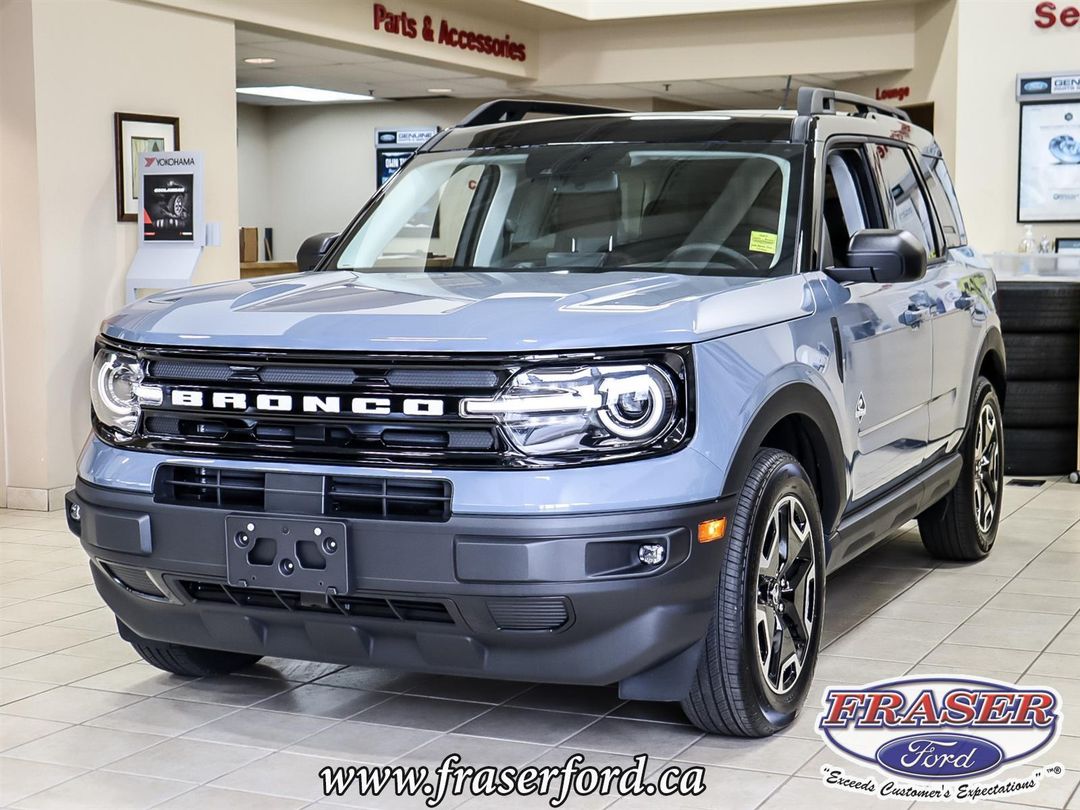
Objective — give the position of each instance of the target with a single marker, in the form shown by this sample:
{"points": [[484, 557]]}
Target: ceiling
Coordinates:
{"points": [[312, 64]]}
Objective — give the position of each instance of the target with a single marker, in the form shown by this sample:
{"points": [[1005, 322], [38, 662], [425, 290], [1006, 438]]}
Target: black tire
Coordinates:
{"points": [[1035, 306], [730, 693], [1049, 451], [1042, 356], [1041, 404], [194, 662], [950, 529]]}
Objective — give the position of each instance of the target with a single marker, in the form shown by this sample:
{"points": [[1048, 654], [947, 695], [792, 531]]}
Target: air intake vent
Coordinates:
{"points": [[135, 579], [339, 496], [368, 606], [537, 613]]}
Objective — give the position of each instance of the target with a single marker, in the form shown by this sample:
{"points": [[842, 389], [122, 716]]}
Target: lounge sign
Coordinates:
{"points": [[442, 32]]}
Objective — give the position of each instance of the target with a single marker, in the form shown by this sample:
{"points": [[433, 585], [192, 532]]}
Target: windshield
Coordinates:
{"points": [[701, 209]]}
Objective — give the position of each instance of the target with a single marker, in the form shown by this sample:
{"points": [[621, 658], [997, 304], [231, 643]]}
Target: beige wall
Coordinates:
{"points": [[997, 40], [64, 255], [819, 40]]}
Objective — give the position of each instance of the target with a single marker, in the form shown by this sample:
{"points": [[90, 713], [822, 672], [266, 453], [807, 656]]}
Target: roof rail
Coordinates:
{"points": [[505, 110], [822, 101]]}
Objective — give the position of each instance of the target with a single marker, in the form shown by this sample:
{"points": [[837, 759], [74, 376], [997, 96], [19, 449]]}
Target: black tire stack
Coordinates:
{"points": [[1041, 325]]}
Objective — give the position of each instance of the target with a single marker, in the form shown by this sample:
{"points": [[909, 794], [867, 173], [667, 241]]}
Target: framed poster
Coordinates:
{"points": [[137, 134], [1049, 181]]}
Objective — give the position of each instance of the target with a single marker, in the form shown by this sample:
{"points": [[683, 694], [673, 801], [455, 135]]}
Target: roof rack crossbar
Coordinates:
{"points": [[823, 101], [505, 110]]}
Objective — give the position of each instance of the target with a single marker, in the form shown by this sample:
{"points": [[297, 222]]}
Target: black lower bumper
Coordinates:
{"points": [[550, 598]]}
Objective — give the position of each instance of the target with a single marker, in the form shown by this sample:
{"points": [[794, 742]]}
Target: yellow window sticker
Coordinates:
{"points": [[763, 242]]}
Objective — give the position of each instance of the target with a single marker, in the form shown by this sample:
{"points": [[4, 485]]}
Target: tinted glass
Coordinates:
{"points": [[717, 209], [938, 182], [905, 201]]}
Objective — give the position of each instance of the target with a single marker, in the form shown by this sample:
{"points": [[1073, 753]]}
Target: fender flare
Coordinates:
{"points": [[801, 399], [993, 344]]}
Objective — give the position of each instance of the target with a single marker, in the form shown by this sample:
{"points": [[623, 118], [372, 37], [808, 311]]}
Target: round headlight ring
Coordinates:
{"points": [[652, 386]]}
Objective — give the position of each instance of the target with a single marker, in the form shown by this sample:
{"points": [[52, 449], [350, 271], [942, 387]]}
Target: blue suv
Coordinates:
{"points": [[592, 398]]}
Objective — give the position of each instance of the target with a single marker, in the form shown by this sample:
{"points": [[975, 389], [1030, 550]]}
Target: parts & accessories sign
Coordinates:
{"points": [[941, 738], [442, 32]]}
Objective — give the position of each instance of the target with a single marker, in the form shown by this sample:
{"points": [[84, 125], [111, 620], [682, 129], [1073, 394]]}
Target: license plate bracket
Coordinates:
{"points": [[289, 554]]}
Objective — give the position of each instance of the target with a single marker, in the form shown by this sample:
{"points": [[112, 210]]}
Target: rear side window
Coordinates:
{"points": [[943, 195], [906, 205]]}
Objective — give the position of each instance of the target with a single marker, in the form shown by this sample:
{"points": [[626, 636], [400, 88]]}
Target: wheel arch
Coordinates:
{"points": [[797, 418], [991, 363]]}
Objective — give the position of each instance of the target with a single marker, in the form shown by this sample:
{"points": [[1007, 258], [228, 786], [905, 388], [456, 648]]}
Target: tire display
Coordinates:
{"points": [[1041, 327]]}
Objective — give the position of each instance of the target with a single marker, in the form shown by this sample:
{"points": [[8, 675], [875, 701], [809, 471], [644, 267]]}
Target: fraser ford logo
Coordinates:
{"points": [[945, 737]]}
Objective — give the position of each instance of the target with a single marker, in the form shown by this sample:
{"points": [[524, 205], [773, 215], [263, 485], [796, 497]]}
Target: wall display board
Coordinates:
{"points": [[1049, 170], [172, 231], [394, 146]]}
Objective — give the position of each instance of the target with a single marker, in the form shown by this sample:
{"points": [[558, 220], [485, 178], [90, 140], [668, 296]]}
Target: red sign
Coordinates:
{"points": [[1047, 15], [892, 93], [402, 24]]}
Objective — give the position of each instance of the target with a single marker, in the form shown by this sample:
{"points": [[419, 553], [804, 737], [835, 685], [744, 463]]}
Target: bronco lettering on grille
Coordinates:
{"points": [[288, 403]]}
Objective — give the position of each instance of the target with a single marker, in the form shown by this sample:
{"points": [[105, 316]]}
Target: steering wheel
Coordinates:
{"points": [[704, 252]]}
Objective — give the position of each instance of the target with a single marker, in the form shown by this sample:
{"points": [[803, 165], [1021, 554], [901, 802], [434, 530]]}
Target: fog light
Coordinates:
{"points": [[710, 530], [651, 553], [76, 512]]}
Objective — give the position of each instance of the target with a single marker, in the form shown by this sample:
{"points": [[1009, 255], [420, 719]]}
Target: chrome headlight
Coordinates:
{"points": [[117, 391], [583, 409]]}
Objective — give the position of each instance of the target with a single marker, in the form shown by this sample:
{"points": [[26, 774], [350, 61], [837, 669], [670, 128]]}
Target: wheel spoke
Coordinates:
{"points": [[769, 564]]}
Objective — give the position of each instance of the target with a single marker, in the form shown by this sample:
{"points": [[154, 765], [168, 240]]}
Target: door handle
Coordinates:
{"points": [[913, 316]]}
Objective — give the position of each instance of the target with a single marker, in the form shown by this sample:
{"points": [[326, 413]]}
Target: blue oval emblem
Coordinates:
{"points": [[1036, 86], [939, 756]]}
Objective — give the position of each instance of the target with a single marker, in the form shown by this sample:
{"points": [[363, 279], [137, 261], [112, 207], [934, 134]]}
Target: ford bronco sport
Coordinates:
{"points": [[594, 398]]}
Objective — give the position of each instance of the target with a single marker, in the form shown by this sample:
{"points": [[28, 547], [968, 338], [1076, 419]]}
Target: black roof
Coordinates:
{"points": [[623, 128]]}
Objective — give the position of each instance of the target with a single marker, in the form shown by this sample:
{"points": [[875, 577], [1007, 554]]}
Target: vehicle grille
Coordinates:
{"points": [[135, 579], [445, 440], [337, 496], [368, 606]]}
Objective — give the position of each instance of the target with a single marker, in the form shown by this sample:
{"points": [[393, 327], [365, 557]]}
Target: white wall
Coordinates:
{"points": [[253, 166], [998, 39], [63, 254], [321, 162]]}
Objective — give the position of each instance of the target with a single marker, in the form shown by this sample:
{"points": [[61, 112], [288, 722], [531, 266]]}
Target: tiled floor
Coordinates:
{"points": [[83, 723]]}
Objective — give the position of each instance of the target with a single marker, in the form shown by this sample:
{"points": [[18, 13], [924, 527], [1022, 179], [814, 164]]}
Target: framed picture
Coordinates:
{"points": [[1067, 245], [134, 134], [1049, 181]]}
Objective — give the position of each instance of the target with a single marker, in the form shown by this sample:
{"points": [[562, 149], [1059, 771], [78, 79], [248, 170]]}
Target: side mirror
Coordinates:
{"points": [[882, 256], [313, 249]]}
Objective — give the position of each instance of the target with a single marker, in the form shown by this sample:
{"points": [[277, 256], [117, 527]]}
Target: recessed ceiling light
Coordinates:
{"points": [[292, 92], [260, 60], [439, 90]]}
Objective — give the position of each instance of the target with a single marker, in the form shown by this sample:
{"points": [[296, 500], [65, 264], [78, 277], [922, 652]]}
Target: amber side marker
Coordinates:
{"points": [[710, 530]]}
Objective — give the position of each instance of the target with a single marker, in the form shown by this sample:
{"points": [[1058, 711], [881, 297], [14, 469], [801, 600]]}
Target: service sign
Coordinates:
{"points": [[941, 738]]}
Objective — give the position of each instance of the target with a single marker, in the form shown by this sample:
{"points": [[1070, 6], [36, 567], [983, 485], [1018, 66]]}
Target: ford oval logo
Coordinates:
{"points": [[939, 756], [1036, 86]]}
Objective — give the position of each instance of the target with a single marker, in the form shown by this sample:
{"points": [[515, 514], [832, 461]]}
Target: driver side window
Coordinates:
{"points": [[848, 204]]}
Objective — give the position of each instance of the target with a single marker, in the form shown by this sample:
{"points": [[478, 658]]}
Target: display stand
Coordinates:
{"points": [[172, 233]]}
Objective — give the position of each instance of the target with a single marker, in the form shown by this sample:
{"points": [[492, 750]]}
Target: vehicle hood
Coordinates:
{"points": [[460, 311]]}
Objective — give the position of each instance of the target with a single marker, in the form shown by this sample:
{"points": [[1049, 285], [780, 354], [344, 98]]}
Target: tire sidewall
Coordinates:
{"points": [[787, 479]]}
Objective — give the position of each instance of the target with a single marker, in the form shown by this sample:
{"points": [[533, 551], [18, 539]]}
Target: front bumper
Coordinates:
{"points": [[546, 598]]}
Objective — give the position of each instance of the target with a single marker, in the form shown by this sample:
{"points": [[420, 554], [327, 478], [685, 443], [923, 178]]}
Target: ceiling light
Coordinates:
{"points": [[439, 90], [292, 92], [260, 60]]}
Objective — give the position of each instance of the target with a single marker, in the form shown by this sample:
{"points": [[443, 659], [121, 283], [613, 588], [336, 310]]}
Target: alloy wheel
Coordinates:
{"points": [[988, 468], [786, 595]]}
